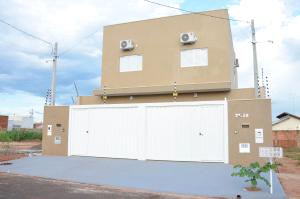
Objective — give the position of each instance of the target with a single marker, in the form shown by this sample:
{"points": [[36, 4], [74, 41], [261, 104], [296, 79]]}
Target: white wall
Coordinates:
{"points": [[21, 121], [289, 124]]}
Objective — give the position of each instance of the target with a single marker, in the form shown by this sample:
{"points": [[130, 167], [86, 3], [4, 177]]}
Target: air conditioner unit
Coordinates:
{"points": [[236, 63], [188, 38], [126, 44]]}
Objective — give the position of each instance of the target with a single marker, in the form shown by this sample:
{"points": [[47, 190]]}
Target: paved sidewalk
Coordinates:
{"points": [[191, 178]]}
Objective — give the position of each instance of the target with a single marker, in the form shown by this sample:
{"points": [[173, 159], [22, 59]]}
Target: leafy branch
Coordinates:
{"points": [[253, 172]]}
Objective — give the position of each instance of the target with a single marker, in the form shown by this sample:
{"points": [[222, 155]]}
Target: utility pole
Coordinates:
{"points": [[255, 69], [53, 83], [76, 89], [77, 94]]}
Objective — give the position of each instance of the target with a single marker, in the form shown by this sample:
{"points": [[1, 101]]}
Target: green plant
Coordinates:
{"points": [[4, 137], [15, 135], [253, 172]]}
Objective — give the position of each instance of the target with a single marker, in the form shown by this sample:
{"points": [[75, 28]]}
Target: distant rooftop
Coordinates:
{"points": [[284, 114]]}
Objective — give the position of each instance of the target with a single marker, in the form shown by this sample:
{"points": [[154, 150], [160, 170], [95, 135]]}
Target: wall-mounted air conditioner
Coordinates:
{"points": [[126, 44], [188, 38], [236, 63]]}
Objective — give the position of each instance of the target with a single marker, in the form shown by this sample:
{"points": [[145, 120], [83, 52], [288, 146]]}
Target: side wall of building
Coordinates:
{"points": [[55, 141], [286, 132], [286, 138], [20, 122], [3, 122], [244, 116]]}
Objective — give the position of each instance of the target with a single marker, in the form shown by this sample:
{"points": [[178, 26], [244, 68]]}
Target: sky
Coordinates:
{"points": [[25, 70]]}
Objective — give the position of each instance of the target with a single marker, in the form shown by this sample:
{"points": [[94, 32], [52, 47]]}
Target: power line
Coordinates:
{"points": [[26, 33], [188, 11], [91, 34], [81, 40]]}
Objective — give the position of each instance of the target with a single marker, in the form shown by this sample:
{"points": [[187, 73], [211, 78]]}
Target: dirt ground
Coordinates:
{"points": [[24, 145], [13, 150], [19, 186], [289, 176]]}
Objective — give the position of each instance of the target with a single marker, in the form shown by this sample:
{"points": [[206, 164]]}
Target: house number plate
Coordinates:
{"points": [[241, 115]]}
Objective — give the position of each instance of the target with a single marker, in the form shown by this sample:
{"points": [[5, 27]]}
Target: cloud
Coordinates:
{"points": [[24, 73], [21, 103], [274, 20]]}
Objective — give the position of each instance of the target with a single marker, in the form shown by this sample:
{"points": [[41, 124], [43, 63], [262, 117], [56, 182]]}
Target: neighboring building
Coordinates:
{"points": [[3, 122], [286, 131], [169, 91], [20, 122], [38, 125]]}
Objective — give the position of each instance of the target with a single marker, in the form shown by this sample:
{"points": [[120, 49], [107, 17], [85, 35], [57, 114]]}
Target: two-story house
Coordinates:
{"points": [[169, 91]]}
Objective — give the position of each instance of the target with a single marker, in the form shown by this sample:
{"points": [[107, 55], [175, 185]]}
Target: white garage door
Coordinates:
{"points": [[79, 129], [105, 132], [186, 133], [189, 131]]}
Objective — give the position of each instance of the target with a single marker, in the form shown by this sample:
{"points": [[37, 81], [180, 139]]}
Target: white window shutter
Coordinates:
{"points": [[194, 57], [131, 63]]}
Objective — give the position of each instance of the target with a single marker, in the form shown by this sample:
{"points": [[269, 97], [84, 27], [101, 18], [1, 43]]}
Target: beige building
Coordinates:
{"points": [[286, 130], [168, 91], [286, 122]]}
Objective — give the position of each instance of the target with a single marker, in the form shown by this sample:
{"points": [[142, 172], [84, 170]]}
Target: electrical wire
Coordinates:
{"points": [[188, 11], [26, 33], [81, 40], [45, 41], [91, 34]]}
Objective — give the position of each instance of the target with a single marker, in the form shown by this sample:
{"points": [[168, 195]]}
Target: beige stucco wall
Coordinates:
{"points": [[158, 41], [290, 123], [259, 111], [245, 93], [54, 115]]}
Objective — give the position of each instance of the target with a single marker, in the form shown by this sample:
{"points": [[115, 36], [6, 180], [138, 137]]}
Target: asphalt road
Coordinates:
{"points": [[13, 186]]}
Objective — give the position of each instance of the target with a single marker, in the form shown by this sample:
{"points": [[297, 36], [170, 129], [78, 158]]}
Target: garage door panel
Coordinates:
{"points": [[185, 133], [79, 128], [168, 132], [212, 134], [114, 134]]}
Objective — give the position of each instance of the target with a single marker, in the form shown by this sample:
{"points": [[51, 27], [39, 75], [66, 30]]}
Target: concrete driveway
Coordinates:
{"points": [[191, 178], [17, 186]]}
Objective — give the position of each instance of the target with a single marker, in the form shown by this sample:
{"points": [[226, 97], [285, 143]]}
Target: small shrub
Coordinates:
{"points": [[253, 172], [4, 137], [31, 135], [17, 136], [14, 135]]}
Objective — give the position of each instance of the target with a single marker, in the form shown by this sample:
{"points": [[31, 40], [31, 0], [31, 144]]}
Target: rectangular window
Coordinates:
{"points": [[244, 147], [194, 57], [131, 63]]}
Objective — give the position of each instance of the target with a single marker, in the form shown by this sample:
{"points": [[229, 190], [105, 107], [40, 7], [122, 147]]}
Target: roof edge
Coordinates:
{"points": [[163, 17]]}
